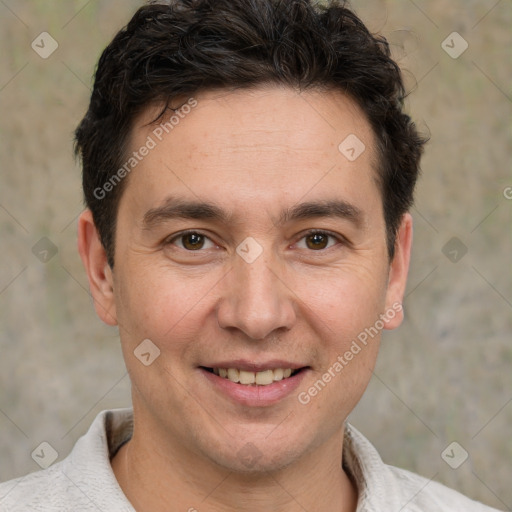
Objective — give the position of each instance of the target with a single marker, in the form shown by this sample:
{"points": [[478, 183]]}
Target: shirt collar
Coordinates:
{"points": [[111, 429]]}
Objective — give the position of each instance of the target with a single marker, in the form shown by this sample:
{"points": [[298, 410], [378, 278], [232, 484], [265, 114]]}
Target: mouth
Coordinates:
{"points": [[254, 384], [264, 377]]}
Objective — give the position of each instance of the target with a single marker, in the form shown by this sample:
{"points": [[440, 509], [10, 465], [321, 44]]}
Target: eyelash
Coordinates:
{"points": [[339, 239]]}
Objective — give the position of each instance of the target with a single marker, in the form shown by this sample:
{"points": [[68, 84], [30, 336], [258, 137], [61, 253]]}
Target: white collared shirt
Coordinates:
{"points": [[84, 481]]}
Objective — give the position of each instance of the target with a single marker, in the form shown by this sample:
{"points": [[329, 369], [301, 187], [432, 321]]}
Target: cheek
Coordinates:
{"points": [[345, 361], [343, 316], [158, 304], [170, 311], [348, 299]]}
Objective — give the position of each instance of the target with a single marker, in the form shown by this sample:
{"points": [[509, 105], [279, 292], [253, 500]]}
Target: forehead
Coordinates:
{"points": [[265, 110], [271, 140]]}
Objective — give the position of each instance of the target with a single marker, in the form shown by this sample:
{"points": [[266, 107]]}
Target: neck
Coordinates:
{"points": [[149, 475]]}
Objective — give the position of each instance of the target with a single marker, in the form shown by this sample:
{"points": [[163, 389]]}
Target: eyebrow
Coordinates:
{"points": [[176, 208]]}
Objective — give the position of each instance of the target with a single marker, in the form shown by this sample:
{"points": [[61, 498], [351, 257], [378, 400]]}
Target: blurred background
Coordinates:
{"points": [[444, 376]]}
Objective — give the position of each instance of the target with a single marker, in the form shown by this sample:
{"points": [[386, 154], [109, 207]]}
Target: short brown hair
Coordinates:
{"points": [[183, 47]]}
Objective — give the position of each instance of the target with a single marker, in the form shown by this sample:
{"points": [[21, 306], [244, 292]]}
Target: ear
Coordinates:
{"points": [[398, 270], [99, 273]]}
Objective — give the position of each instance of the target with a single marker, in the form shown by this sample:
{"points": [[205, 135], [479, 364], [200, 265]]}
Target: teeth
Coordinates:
{"points": [[233, 375], [263, 378], [278, 374], [247, 377]]}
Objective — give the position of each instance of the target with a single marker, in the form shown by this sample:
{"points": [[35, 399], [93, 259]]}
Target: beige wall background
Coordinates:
{"points": [[444, 376]]}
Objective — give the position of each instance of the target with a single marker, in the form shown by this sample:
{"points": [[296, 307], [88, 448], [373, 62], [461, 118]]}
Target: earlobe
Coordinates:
{"points": [[99, 273], [398, 271]]}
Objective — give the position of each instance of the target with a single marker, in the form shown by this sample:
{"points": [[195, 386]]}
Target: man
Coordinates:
{"points": [[248, 172]]}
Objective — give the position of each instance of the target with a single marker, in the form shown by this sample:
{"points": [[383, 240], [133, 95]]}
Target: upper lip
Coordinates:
{"points": [[252, 366]]}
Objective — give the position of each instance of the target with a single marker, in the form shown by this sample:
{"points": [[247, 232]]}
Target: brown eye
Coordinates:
{"points": [[192, 241], [317, 241]]}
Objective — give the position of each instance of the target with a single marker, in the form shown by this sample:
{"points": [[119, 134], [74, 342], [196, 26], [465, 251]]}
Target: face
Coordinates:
{"points": [[247, 243]]}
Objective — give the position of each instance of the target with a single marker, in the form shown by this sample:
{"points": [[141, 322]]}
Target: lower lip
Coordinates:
{"points": [[254, 395]]}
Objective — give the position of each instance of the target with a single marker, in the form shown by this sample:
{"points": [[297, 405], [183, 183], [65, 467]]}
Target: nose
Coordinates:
{"points": [[256, 300]]}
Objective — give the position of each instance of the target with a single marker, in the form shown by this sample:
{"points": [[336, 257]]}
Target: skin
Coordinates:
{"points": [[253, 153]]}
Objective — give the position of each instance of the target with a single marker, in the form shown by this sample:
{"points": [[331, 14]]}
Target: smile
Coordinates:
{"points": [[261, 378], [255, 385]]}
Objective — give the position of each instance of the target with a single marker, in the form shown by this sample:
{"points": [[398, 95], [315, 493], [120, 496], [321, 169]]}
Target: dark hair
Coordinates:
{"points": [[183, 47]]}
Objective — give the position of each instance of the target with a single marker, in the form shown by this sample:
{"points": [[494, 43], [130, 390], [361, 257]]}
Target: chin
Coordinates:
{"points": [[259, 456], [252, 462]]}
